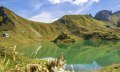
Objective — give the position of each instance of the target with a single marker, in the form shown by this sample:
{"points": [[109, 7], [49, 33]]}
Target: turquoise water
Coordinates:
{"points": [[82, 52]]}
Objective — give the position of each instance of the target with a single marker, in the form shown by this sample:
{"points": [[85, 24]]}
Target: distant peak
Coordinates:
{"points": [[103, 15], [105, 11]]}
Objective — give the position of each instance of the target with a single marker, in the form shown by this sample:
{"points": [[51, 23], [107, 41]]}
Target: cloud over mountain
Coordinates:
{"points": [[76, 2]]}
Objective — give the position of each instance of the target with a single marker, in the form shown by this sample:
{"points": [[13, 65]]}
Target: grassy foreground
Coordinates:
{"points": [[112, 68], [12, 61]]}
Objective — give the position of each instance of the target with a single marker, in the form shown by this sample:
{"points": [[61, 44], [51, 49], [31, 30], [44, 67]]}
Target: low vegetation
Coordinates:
{"points": [[12, 61], [112, 68]]}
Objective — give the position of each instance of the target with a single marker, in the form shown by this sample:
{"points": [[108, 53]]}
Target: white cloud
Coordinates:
{"points": [[43, 17], [50, 16], [76, 2]]}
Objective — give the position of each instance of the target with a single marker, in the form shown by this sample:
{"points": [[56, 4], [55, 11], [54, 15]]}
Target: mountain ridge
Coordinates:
{"points": [[76, 27], [112, 17]]}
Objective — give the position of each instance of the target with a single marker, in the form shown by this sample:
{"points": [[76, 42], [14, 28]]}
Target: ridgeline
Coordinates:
{"points": [[75, 27]]}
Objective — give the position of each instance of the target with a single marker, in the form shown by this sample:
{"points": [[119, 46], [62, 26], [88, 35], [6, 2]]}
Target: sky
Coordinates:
{"points": [[51, 10]]}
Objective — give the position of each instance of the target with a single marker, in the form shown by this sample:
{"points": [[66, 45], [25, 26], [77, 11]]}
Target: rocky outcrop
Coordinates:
{"points": [[103, 15], [4, 16], [5, 22], [64, 38]]}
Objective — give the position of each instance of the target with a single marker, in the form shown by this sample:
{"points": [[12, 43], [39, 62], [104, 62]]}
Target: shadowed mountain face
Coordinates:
{"points": [[103, 15], [112, 18], [5, 22], [75, 27]]}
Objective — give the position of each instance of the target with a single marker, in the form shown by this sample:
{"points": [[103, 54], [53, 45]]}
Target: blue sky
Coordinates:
{"points": [[50, 10]]}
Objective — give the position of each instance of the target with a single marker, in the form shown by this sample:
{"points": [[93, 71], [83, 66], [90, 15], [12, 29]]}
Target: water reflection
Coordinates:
{"points": [[83, 52], [84, 67]]}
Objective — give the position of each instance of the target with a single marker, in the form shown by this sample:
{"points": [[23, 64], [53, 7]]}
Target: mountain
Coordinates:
{"points": [[103, 15], [74, 27], [112, 18], [23, 31], [86, 27]]}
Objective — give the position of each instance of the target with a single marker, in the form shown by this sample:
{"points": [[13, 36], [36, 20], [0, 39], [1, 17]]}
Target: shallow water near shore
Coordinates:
{"points": [[84, 67], [83, 55]]}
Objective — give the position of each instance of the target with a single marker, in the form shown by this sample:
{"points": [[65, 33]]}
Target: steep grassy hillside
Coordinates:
{"points": [[21, 30], [77, 27], [86, 27]]}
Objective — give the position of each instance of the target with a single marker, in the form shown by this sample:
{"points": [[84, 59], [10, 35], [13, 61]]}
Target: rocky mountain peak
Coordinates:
{"points": [[103, 15]]}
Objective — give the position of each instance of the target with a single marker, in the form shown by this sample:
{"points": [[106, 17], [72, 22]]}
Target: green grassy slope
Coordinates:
{"points": [[86, 27], [22, 31]]}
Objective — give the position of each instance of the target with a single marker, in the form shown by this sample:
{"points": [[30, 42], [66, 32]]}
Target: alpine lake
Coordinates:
{"points": [[81, 55]]}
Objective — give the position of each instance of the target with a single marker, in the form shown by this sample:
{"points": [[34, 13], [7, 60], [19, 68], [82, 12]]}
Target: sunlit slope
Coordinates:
{"points": [[86, 27], [22, 31]]}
